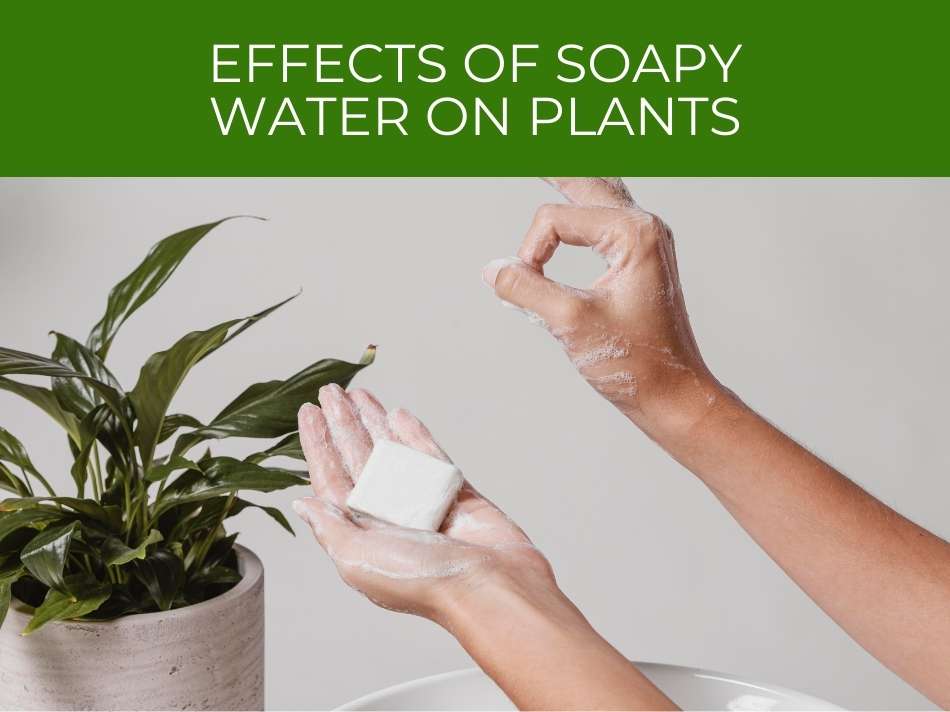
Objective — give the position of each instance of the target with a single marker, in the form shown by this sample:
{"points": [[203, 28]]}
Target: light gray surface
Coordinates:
{"points": [[823, 303]]}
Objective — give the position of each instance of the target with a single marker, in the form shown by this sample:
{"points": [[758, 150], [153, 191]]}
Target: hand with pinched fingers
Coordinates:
{"points": [[402, 569], [628, 333]]}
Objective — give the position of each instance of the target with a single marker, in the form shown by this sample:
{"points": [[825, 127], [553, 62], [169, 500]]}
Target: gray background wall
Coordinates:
{"points": [[822, 302]]}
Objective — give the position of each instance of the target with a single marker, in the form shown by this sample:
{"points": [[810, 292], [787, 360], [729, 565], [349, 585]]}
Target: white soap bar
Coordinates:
{"points": [[405, 487]]}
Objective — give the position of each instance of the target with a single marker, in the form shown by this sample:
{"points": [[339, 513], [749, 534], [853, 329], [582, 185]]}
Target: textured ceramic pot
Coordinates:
{"points": [[209, 656]]}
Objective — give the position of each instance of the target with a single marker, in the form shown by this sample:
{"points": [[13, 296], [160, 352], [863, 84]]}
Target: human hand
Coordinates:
{"points": [[629, 333], [408, 570]]}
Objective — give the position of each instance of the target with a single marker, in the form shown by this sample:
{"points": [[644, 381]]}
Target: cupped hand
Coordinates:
{"points": [[402, 569], [628, 334]]}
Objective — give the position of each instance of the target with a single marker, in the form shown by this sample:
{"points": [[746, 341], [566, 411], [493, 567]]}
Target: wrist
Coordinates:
{"points": [[704, 434], [499, 596], [672, 411]]}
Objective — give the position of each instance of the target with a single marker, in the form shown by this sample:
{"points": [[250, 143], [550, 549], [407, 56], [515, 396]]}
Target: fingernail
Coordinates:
{"points": [[491, 270], [331, 388], [327, 394], [306, 410]]}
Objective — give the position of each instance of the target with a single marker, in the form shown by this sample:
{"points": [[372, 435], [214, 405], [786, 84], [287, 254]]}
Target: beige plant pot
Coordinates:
{"points": [[209, 656]]}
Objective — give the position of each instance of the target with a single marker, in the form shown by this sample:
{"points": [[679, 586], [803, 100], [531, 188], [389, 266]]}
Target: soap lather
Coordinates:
{"points": [[405, 487]]}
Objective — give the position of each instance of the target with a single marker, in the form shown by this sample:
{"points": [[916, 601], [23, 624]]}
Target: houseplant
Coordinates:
{"points": [[140, 548]]}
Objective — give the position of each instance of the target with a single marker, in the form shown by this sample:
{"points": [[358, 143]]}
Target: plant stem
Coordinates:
{"points": [[97, 473], [96, 494], [205, 545], [26, 480], [129, 512], [143, 497], [86, 563]]}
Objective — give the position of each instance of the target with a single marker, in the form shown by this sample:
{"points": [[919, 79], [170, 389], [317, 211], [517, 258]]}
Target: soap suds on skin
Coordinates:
{"points": [[620, 383], [614, 378], [613, 348], [463, 520], [348, 439], [373, 418], [422, 571], [563, 333], [589, 189], [403, 568], [531, 316]]}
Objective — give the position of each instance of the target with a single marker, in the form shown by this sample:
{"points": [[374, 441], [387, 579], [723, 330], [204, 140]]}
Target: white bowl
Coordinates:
{"points": [[690, 688]]}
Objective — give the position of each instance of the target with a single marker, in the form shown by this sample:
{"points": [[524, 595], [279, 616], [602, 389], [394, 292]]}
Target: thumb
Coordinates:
{"points": [[521, 285], [330, 525]]}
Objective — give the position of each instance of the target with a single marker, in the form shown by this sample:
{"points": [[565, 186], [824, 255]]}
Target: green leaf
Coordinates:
{"points": [[111, 432], [116, 553], [10, 574], [89, 430], [287, 447], [12, 451], [192, 518], [143, 282], [163, 373], [11, 483], [86, 595], [224, 475], [45, 400], [76, 395], [35, 517], [272, 512], [250, 321], [269, 409], [174, 422], [160, 378], [8, 577], [220, 549], [216, 575], [5, 598], [212, 512], [163, 574], [86, 507], [27, 364], [122, 602], [160, 472], [45, 555]]}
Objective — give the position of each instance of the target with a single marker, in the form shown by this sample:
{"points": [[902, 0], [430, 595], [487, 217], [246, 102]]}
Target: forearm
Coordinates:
{"points": [[881, 577], [543, 654]]}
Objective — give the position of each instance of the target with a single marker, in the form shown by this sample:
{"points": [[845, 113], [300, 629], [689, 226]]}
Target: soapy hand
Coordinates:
{"points": [[629, 333], [402, 569]]}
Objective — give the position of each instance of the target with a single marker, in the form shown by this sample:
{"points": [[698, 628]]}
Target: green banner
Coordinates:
{"points": [[487, 88]]}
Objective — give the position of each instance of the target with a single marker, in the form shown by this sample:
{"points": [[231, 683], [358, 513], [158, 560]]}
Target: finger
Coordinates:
{"points": [[553, 304], [472, 518], [412, 433], [330, 525], [595, 192], [371, 414], [608, 231], [327, 475], [350, 438]]}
